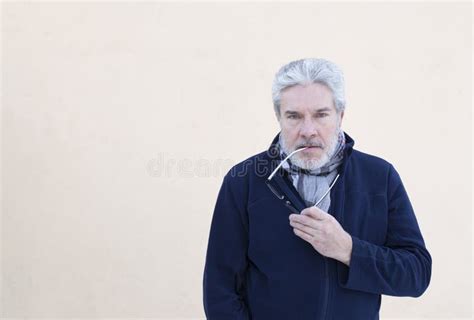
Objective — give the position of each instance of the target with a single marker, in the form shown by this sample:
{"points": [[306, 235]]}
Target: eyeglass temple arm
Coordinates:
{"points": [[327, 192], [282, 162]]}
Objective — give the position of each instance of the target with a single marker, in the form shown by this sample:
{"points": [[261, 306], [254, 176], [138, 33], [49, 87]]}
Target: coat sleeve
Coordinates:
{"points": [[226, 258], [402, 266]]}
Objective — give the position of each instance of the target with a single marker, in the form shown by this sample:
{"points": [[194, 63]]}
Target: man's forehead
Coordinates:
{"points": [[312, 97]]}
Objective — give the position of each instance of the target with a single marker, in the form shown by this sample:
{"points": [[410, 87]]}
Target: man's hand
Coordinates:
{"points": [[324, 233]]}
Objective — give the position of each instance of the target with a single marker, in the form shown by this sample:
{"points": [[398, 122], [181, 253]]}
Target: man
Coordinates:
{"points": [[311, 228]]}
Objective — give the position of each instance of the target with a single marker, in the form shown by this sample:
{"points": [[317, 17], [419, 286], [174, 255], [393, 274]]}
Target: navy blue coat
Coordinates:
{"points": [[257, 268]]}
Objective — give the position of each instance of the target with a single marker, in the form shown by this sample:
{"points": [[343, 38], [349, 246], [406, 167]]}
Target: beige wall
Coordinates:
{"points": [[113, 112]]}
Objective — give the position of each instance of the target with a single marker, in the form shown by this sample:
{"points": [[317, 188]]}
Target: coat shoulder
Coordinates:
{"points": [[241, 177], [370, 161], [255, 165], [368, 169]]}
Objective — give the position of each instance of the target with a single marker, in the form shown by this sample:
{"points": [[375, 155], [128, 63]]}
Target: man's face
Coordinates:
{"points": [[308, 117]]}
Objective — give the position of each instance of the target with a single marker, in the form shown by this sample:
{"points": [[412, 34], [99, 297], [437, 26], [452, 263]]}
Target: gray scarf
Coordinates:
{"points": [[312, 184]]}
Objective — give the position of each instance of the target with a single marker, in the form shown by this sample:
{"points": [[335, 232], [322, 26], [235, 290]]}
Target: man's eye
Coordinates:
{"points": [[321, 115], [292, 116]]}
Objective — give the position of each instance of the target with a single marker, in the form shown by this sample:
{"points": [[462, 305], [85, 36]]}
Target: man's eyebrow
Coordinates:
{"points": [[323, 109]]}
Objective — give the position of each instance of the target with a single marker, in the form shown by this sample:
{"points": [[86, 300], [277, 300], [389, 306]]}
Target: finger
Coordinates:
{"points": [[303, 235], [310, 222], [315, 213], [306, 220], [303, 227]]}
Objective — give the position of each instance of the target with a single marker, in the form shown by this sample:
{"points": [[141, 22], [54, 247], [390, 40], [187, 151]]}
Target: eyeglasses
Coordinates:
{"points": [[280, 194]]}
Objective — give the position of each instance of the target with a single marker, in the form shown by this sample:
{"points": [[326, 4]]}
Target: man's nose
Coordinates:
{"points": [[309, 129]]}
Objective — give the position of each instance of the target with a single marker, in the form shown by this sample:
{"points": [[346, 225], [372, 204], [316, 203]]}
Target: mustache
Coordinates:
{"points": [[310, 144]]}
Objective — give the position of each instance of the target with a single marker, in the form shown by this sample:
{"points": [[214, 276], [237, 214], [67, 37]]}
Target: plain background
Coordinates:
{"points": [[119, 121]]}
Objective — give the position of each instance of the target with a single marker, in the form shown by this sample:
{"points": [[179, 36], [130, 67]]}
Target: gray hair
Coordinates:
{"points": [[307, 71]]}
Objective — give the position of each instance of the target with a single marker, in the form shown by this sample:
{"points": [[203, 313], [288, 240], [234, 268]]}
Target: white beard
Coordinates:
{"points": [[312, 164]]}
